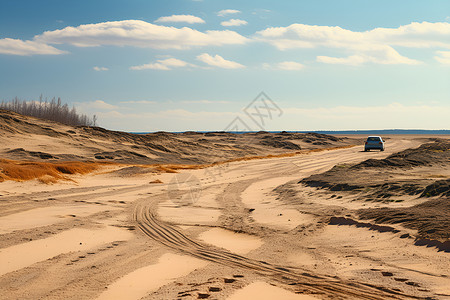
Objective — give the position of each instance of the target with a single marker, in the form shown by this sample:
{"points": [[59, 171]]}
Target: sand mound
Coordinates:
{"points": [[442, 246], [427, 154], [281, 144], [36, 139], [438, 188], [133, 170], [383, 181], [121, 155], [348, 221], [430, 219], [375, 177], [24, 154]]}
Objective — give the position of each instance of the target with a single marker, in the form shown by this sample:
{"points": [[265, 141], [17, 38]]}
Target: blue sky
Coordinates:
{"points": [[194, 65]]}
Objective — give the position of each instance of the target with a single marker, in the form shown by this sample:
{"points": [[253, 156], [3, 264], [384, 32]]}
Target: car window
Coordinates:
{"points": [[373, 139]]}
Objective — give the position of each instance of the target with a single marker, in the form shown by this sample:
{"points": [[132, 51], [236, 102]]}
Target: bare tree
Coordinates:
{"points": [[53, 110]]}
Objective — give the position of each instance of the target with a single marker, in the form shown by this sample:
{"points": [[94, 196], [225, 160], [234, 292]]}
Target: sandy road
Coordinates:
{"points": [[297, 251], [233, 209]]}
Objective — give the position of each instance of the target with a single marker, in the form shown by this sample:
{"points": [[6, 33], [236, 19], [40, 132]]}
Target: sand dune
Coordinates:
{"points": [[221, 216]]}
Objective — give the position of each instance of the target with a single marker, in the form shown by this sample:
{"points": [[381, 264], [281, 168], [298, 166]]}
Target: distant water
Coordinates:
{"points": [[367, 132]]}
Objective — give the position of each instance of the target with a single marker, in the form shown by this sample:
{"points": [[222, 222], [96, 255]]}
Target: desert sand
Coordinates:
{"points": [[220, 215]]}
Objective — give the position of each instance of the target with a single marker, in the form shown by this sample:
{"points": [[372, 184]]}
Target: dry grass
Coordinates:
{"points": [[43, 171]]}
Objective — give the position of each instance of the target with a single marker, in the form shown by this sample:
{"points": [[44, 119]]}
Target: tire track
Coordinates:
{"points": [[150, 225], [146, 217]]}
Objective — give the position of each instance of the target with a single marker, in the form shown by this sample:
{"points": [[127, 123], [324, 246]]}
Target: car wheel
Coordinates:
{"points": [[382, 149]]}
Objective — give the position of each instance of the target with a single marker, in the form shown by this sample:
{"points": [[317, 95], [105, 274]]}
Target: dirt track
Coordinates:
{"points": [[238, 197], [146, 217], [172, 238]]}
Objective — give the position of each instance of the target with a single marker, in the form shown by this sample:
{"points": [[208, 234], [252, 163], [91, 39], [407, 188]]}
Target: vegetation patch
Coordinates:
{"points": [[44, 171]]}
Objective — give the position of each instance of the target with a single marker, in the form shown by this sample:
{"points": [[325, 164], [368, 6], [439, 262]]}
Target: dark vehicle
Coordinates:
{"points": [[374, 142]]}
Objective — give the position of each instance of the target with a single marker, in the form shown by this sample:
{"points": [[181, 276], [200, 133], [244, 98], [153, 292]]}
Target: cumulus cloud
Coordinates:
{"points": [[98, 69], [417, 35], [162, 64], [374, 45], [180, 18], [138, 34], [219, 61], [225, 12], [234, 22], [443, 57], [19, 47], [379, 55], [414, 35]]}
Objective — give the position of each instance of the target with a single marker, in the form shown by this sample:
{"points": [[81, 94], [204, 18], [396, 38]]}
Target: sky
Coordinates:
{"points": [[212, 65]]}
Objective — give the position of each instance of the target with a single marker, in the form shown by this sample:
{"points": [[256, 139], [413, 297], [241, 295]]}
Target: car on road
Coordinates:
{"points": [[374, 142]]}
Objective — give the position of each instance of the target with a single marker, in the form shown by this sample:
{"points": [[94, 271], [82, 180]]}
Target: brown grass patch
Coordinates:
{"points": [[43, 171]]}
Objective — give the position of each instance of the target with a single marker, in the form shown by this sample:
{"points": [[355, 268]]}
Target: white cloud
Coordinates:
{"points": [[234, 22], [180, 18], [382, 55], [138, 102], [205, 102], [162, 64], [259, 11], [290, 66], [342, 112], [95, 105], [389, 116], [353, 60], [285, 65], [417, 35], [138, 33], [167, 120], [414, 35], [443, 57], [393, 115], [219, 61], [225, 12], [19, 47], [100, 68], [375, 46]]}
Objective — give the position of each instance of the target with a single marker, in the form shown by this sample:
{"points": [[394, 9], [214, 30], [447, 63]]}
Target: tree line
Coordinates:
{"points": [[53, 110]]}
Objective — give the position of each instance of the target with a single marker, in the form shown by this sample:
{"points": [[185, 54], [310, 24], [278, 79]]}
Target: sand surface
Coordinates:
{"points": [[235, 242], [264, 291], [140, 282], [241, 230]]}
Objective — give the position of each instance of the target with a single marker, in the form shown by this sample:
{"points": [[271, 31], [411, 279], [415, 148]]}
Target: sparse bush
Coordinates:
{"points": [[53, 111]]}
